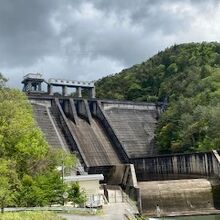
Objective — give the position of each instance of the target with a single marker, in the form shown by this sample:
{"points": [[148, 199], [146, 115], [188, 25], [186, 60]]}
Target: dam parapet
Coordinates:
{"points": [[178, 166]]}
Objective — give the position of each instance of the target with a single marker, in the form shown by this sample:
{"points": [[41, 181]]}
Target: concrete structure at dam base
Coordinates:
{"points": [[116, 139]]}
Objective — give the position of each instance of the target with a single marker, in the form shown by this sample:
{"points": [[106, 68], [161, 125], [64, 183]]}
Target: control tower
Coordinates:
{"points": [[32, 82]]}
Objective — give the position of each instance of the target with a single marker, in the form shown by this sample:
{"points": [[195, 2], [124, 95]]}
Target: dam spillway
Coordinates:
{"points": [[133, 127], [94, 143]]}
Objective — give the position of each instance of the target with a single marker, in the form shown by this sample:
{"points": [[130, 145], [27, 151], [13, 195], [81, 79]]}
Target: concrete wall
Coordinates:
{"points": [[184, 192], [122, 175], [128, 105], [161, 198], [91, 187], [69, 108], [100, 114], [82, 108], [105, 170], [216, 163], [177, 166], [125, 176], [41, 102]]}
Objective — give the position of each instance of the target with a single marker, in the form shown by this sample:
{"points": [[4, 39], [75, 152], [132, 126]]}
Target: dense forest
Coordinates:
{"points": [[28, 165], [187, 77]]}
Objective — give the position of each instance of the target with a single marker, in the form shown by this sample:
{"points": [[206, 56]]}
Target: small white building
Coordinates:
{"points": [[91, 185]]}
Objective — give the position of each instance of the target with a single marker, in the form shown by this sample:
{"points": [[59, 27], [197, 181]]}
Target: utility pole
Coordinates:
{"points": [[63, 170]]}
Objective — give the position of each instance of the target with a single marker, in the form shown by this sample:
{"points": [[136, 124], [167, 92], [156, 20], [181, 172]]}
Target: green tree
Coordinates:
{"points": [[20, 137], [9, 183], [3, 80], [76, 195], [41, 190]]}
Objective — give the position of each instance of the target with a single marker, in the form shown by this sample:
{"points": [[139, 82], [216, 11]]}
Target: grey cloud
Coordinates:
{"points": [[25, 31], [150, 13], [87, 39], [115, 34]]}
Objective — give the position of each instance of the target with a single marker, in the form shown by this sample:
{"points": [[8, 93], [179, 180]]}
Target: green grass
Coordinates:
{"points": [[30, 216]]}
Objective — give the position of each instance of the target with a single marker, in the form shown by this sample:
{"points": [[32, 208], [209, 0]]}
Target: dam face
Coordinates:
{"points": [[116, 138], [161, 198], [105, 132]]}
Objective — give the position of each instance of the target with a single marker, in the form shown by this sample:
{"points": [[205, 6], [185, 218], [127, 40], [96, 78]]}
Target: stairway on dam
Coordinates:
{"points": [[135, 129], [50, 127], [94, 143]]}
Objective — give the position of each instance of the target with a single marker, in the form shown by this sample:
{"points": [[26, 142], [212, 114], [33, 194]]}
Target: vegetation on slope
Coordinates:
{"points": [[188, 77], [28, 174]]}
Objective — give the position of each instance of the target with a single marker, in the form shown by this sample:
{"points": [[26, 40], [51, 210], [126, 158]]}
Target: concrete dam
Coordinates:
{"points": [[104, 133], [116, 138]]}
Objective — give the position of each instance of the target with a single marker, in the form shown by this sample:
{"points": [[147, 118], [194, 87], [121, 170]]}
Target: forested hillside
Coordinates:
{"points": [[187, 76]]}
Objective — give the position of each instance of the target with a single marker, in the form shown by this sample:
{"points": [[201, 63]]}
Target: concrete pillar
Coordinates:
{"points": [[79, 92], [39, 87], [24, 87], [50, 89], [64, 90], [35, 87], [66, 108], [29, 86], [92, 93]]}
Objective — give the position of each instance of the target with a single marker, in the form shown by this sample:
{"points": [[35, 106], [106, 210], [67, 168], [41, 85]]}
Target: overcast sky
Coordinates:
{"points": [[89, 39]]}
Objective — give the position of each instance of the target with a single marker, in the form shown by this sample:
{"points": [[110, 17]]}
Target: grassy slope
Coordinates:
{"points": [[30, 215]]}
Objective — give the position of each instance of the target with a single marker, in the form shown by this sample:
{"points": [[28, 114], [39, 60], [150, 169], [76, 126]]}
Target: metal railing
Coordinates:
{"points": [[70, 82]]}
